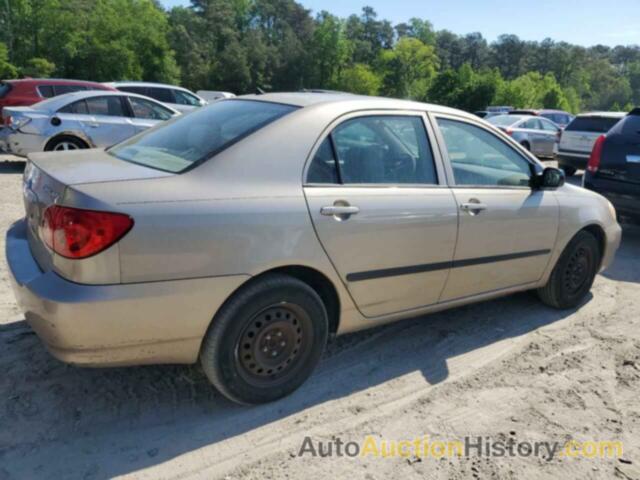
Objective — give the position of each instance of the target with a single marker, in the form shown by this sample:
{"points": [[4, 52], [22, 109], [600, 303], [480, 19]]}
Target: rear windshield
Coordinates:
{"points": [[189, 140], [592, 124], [504, 120], [4, 89]]}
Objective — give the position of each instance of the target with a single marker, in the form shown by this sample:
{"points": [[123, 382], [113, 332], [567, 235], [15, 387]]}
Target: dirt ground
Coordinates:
{"points": [[509, 368]]}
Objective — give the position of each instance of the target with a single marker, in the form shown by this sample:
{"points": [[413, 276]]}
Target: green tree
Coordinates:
{"points": [[407, 69], [360, 79], [7, 70]]}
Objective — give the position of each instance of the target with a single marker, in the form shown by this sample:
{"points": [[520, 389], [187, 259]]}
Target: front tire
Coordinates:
{"points": [[574, 273], [266, 340]]}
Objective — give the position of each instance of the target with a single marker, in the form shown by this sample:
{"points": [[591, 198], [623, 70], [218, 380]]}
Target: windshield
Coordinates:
{"points": [[196, 137], [504, 120]]}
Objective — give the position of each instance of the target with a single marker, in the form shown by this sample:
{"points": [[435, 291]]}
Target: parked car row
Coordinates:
{"points": [[537, 134], [56, 114]]}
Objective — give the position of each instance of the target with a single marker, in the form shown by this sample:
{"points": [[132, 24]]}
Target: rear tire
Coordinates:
{"points": [[65, 143], [574, 273], [266, 340], [568, 171]]}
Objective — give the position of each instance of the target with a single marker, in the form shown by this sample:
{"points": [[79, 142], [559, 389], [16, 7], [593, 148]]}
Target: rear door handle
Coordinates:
{"points": [[335, 210]]}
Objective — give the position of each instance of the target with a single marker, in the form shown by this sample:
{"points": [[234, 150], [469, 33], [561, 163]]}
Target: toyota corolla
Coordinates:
{"points": [[246, 234]]}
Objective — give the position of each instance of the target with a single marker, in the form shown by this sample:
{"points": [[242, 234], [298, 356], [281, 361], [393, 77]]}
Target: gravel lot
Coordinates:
{"points": [[509, 368]]}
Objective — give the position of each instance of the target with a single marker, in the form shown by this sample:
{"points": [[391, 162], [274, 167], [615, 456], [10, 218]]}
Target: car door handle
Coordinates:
{"points": [[336, 210], [473, 207]]}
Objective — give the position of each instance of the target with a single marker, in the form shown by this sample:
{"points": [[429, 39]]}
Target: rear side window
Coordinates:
{"points": [[78, 108], [46, 91], [592, 124], [385, 149], [4, 89], [194, 138]]}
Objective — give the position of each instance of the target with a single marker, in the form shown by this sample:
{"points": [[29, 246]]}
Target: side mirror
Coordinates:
{"points": [[549, 178], [55, 121]]}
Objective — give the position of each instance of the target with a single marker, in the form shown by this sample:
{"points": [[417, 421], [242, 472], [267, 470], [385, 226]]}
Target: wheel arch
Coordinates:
{"points": [[320, 283], [598, 232], [76, 135]]}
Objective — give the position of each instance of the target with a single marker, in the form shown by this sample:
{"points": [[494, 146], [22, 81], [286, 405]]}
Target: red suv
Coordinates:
{"points": [[16, 93]]}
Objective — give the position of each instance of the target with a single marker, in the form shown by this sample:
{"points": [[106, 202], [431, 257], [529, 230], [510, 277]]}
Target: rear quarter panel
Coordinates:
{"points": [[242, 212]]}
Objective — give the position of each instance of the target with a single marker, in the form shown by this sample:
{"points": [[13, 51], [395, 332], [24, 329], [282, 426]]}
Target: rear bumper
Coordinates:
{"points": [[21, 144], [106, 325], [572, 160]]}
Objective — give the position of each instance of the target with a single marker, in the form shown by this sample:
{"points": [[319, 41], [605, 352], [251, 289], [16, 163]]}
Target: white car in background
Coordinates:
{"points": [[74, 121], [579, 136], [213, 95], [175, 97]]}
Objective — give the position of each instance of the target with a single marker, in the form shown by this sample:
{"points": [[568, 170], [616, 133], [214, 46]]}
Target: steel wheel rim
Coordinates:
{"points": [[578, 270], [63, 146], [273, 345]]}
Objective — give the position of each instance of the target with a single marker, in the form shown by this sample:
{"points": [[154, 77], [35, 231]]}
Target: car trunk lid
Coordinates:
{"points": [[49, 177]]}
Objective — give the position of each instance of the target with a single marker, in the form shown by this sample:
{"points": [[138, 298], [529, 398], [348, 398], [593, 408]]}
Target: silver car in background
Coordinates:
{"points": [[178, 98], [248, 232], [79, 120], [538, 135]]}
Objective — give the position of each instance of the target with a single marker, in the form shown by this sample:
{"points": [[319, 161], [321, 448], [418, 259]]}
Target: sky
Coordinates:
{"points": [[583, 22]]}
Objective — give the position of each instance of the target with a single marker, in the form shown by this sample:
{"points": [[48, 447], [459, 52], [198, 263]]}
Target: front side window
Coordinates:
{"points": [[548, 126], [385, 149], [138, 90], [479, 158], [62, 89], [161, 94], [196, 137], [532, 124], [109, 106], [323, 168], [184, 98], [46, 91], [145, 109]]}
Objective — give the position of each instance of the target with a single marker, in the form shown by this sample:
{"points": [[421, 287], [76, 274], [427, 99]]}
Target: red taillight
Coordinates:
{"points": [[596, 154], [75, 233], [7, 120], [509, 131]]}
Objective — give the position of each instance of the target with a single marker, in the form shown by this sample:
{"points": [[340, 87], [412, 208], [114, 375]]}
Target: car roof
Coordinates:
{"points": [[602, 114], [134, 83], [308, 99], [52, 81], [55, 103]]}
